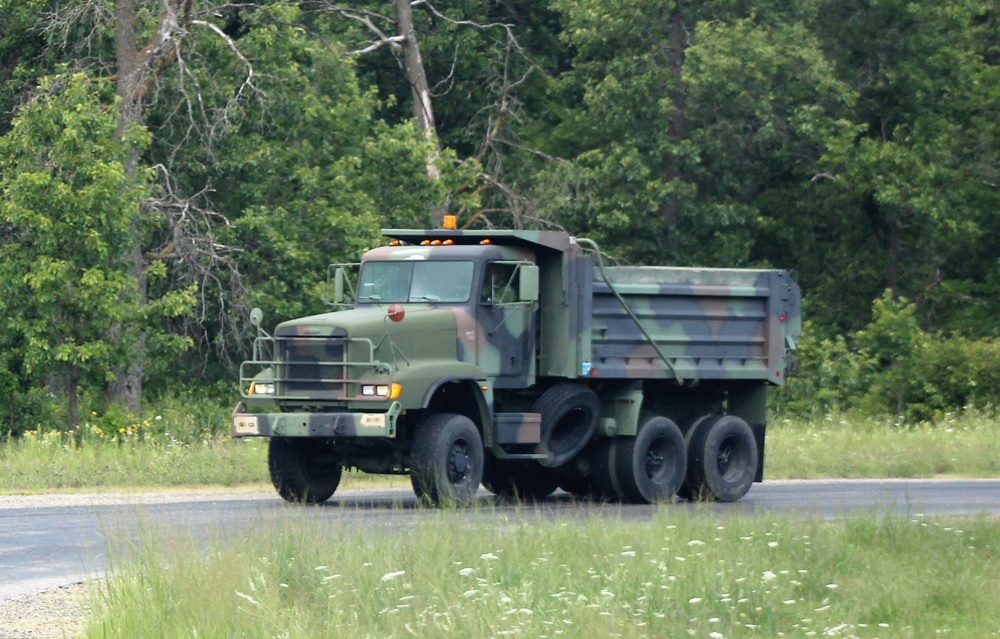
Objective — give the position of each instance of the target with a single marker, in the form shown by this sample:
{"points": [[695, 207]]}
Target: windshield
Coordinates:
{"points": [[415, 281]]}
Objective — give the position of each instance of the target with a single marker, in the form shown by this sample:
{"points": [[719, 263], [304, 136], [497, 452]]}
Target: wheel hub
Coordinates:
{"points": [[458, 462], [654, 461]]}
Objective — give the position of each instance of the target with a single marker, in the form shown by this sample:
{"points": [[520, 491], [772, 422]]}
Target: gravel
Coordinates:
{"points": [[53, 614]]}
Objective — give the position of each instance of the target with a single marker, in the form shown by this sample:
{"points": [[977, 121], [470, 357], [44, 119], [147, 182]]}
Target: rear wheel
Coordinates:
{"points": [[603, 460], [299, 471], [650, 467], [689, 427], [447, 460], [722, 459]]}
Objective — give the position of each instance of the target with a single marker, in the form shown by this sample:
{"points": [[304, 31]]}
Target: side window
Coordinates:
{"points": [[500, 284]]}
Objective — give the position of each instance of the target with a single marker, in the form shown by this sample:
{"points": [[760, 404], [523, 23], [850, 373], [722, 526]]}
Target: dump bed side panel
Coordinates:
{"points": [[708, 323]]}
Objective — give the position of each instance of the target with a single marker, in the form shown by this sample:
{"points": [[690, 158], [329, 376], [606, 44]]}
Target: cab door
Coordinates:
{"points": [[507, 315]]}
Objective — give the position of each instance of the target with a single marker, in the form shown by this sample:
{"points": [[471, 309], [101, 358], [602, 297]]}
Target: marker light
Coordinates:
{"points": [[448, 242], [486, 241], [425, 243], [395, 243], [449, 222]]}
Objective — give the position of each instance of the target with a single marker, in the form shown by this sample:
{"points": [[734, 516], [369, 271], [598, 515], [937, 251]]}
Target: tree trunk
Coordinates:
{"points": [[73, 397], [126, 388], [137, 70], [423, 110], [677, 123]]}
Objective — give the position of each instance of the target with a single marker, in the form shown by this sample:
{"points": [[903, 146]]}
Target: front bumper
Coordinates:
{"points": [[341, 424]]}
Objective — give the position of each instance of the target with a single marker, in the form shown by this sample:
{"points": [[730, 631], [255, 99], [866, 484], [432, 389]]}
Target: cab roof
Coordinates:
{"points": [[553, 240]]}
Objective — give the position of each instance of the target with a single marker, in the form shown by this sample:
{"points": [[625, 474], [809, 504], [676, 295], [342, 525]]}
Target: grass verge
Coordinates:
{"points": [[843, 446], [181, 452], [455, 575]]}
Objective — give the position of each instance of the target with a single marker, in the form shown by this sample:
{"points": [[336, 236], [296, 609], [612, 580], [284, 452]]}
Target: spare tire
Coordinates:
{"points": [[570, 413]]}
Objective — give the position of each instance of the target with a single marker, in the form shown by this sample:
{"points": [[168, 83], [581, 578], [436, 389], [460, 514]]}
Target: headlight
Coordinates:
{"points": [[391, 391], [375, 390], [261, 388]]}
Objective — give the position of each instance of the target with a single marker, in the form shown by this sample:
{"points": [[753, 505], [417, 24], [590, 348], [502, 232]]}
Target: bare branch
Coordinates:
{"points": [[248, 81], [378, 44], [198, 258]]}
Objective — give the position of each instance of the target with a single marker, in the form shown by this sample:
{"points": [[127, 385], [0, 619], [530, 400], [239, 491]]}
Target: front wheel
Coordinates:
{"points": [[299, 471], [446, 462]]}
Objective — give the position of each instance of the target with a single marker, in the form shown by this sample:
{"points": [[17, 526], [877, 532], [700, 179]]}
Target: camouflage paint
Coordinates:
{"points": [[709, 323], [712, 324]]}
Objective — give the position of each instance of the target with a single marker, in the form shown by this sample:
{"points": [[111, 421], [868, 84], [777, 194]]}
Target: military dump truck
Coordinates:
{"points": [[518, 360]]}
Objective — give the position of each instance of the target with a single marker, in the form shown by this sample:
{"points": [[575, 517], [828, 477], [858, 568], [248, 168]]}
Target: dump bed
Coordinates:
{"points": [[705, 323]]}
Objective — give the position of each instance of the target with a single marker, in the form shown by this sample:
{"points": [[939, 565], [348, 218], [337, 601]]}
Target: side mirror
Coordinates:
{"points": [[528, 288], [339, 279], [256, 317]]}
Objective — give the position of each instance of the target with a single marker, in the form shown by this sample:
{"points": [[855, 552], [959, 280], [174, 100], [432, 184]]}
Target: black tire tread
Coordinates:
{"points": [[555, 403], [704, 479], [288, 465], [432, 440]]}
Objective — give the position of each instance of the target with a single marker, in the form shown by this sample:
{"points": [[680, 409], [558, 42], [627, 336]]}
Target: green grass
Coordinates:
{"points": [[461, 574], [180, 450], [966, 445]]}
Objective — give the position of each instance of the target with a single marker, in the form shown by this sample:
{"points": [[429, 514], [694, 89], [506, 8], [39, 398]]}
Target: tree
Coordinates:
{"points": [[67, 207]]}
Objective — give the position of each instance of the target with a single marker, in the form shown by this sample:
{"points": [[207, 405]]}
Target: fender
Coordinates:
{"points": [[421, 381]]}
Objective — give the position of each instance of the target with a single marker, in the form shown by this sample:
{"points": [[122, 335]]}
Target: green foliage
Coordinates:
{"points": [[892, 367], [67, 207]]}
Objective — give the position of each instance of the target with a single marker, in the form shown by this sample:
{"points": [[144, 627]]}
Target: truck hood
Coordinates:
{"points": [[423, 333]]}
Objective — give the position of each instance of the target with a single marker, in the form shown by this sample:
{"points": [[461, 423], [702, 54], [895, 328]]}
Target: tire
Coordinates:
{"points": [[570, 413], [603, 483], [297, 472], [722, 459], [447, 460], [518, 480], [650, 467], [691, 425]]}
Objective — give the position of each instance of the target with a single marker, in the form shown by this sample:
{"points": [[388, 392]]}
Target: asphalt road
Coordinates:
{"points": [[52, 541]]}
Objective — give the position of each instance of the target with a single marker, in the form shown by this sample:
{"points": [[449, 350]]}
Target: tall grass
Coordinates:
{"points": [[182, 442], [454, 574], [958, 445]]}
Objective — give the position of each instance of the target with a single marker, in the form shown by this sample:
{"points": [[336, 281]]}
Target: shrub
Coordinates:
{"points": [[892, 367]]}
